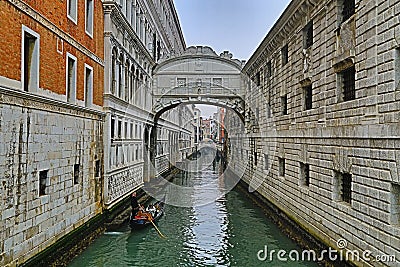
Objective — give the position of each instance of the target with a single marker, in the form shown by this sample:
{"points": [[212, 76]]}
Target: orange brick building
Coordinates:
{"points": [[51, 121], [59, 36]]}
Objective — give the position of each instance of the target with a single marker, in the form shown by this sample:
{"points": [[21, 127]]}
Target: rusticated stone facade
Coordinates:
{"points": [[49, 183], [327, 77]]}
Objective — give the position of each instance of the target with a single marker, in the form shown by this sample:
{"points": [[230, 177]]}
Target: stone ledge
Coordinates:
{"points": [[30, 100]]}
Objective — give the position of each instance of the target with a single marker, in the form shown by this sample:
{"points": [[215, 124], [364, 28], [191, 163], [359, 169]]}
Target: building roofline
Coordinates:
{"points": [[275, 30], [177, 22]]}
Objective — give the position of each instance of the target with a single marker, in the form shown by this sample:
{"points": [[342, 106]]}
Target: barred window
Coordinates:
{"points": [[395, 204], [343, 187], [307, 97], [346, 187], [181, 82], [217, 81], [348, 9], [76, 173], [305, 174], [43, 182], [348, 78], [285, 55], [281, 162], [284, 105], [308, 35], [269, 69], [266, 161], [258, 79]]}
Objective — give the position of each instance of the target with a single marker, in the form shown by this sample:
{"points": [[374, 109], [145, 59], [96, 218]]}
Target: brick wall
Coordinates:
{"points": [[52, 55]]}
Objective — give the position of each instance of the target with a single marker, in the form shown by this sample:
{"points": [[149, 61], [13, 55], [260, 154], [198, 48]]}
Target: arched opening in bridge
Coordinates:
{"points": [[198, 129]]}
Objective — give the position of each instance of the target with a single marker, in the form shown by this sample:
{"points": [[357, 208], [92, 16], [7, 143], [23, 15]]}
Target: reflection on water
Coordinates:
{"points": [[227, 232]]}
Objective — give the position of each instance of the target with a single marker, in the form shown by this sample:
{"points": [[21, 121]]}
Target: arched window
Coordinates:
{"points": [[113, 70], [123, 6], [145, 94], [120, 75], [137, 86], [132, 83], [127, 83], [129, 10]]}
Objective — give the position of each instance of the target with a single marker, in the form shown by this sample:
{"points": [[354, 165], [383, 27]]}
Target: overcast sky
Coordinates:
{"points": [[235, 25]]}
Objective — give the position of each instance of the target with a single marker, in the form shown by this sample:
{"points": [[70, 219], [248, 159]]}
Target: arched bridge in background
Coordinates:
{"points": [[199, 76]]}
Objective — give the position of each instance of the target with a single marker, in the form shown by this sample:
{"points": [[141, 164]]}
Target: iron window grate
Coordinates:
{"points": [[349, 80], [306, 173], [258, 79], [308, 35], [269, 69], [284, 105], [349, 8], [76, 173], [285, 55], [43, 182], [308, 97], [346, 187], [282, 166]]}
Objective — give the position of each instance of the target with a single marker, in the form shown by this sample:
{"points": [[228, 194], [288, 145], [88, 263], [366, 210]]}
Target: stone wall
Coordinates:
{"points": [[58, 144], [337, 137]]}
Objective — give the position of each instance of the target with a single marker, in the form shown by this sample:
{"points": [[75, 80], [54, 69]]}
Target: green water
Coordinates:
{"points": [[227, 232]]}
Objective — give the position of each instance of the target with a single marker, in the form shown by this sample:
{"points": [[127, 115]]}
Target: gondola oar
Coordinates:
{"points": [[150, 218]]}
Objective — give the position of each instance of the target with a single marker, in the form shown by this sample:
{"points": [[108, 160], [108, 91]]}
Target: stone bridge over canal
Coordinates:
{"points": [[199, 76]]}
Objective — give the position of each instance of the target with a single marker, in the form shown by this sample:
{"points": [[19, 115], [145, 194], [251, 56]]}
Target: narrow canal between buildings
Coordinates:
{"points": [[227, 232]]}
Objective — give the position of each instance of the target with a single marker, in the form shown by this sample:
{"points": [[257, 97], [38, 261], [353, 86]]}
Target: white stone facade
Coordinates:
{"points": [[333, 165], [53, 142], [137, 35]]}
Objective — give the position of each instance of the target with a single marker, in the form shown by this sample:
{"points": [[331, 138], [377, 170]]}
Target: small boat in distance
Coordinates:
{"points": [[145, 217]]}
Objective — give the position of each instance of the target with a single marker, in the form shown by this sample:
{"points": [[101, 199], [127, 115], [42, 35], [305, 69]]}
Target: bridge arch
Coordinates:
{"points": [[199, 76]]}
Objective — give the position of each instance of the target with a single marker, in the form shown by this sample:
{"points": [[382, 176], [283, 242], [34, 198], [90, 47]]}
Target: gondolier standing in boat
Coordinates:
{"points": [[134, 204]]}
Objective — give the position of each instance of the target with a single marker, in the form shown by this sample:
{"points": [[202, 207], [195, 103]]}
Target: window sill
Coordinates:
{"points": [[74, 20], [342, 203], [89, 34]]}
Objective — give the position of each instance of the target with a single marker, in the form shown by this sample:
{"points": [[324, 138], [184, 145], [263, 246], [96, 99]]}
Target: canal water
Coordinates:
{"points": [[228, 232]]}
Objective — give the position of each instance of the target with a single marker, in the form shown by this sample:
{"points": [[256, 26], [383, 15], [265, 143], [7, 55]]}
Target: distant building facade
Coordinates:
{"points": [[220, 128], [206, 127], [51, 97], [197, 123]]}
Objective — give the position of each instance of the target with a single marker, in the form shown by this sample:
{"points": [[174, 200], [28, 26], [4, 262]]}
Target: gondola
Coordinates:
{"points": [[143, 218]]}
